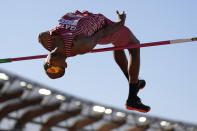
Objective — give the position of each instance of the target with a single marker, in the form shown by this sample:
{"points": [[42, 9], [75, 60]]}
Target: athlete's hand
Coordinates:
{"points": [[121, 17]]}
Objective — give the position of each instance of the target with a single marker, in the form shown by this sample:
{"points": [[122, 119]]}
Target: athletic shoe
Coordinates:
{"points": [[137, 105]]}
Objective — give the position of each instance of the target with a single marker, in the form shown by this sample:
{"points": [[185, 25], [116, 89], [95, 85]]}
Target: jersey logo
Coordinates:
{"points": [[68, 22]]}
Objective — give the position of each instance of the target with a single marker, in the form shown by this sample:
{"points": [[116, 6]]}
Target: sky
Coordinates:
{"points": [[170, 70]]}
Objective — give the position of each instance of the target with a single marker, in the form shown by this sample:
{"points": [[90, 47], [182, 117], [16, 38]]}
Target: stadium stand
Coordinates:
{"points": [[29, 106]]}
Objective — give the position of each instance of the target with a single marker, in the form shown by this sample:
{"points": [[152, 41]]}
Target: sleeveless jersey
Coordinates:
{"points": [[72, 24]]}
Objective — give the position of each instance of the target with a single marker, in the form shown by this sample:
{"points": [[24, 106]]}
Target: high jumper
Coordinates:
{"points": [[79, 32]]}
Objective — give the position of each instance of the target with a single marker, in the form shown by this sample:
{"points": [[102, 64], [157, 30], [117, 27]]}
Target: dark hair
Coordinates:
{"points": [[56, 75]]}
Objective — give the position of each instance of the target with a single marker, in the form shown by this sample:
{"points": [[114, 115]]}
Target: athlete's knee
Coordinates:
{"points": [[134, 51]]}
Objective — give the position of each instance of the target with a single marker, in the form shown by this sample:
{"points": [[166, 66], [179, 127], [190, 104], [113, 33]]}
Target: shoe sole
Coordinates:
{"points": [[131, 108]]}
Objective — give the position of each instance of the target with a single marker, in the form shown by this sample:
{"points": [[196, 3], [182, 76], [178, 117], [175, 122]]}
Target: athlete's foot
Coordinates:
{"points": [[137, 105]]}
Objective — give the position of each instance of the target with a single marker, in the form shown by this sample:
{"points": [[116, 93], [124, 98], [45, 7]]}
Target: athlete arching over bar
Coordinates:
{"points": [[79, 32]]}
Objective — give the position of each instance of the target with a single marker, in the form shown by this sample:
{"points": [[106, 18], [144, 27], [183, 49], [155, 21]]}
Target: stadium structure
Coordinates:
{"points": [[29, 106]]}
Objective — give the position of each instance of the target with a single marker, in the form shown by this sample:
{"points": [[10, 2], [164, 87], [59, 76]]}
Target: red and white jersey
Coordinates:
{"points": [[72, 24]]}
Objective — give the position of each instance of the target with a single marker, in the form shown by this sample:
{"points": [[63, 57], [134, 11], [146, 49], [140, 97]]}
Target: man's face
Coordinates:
{"points": [[55, 66]]}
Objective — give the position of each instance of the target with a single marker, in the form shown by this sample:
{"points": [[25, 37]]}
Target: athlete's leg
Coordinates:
{"points": [[131, 70], [133, 101], [133, 67]]}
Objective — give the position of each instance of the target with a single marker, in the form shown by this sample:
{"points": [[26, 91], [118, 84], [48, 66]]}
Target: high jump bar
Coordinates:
{"points": [[7, 60]]}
